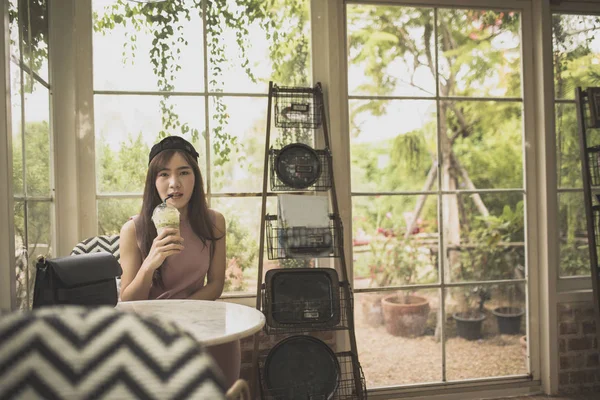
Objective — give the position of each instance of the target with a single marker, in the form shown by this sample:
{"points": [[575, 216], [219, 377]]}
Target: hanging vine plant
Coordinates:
{"points": [[30, 18], [164, 21]]}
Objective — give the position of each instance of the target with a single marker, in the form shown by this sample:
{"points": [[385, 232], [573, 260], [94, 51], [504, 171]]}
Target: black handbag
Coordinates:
{"points": [[86, 279]]}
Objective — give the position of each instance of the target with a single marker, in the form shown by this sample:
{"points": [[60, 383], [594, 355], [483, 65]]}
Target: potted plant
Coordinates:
{"points": [[404, 314], [509, 316], [469, 322], [504, 261], [491, 254]]}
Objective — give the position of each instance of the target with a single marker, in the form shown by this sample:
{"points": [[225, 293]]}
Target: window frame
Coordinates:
{"points": [[530, 169], [567, 284], [25, 198]]}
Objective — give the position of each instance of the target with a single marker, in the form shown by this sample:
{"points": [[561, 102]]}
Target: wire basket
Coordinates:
{"points": [[593, 154], [593, 112], [321, 183], [340, 308], [298, 107], [303, 242], [351, 384]]}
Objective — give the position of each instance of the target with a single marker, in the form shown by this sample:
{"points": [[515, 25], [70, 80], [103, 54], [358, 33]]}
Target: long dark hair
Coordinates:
{"points": [[197, 212]]}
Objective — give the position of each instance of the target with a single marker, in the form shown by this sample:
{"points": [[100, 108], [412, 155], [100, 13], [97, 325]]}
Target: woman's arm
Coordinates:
{"points": [[137, 273], [135, 283], [216, 272]]}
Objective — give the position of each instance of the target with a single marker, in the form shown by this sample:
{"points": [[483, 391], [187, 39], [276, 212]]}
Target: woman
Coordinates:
{"points": [[174, 264]]}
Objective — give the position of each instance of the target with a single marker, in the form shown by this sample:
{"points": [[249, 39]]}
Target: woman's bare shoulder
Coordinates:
{"points": [[128, 230], [216, 213], [218, 219]]}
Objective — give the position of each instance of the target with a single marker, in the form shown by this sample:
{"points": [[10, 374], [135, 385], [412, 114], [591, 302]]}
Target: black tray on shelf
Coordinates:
{"points": [[287, 316], [350, 385], [301, 296], [303, 242], [298, 166], [297, 107]]}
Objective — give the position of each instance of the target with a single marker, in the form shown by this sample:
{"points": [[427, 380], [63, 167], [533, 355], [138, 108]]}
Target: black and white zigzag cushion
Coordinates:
{"points": [[72, 352], [109, 244]]}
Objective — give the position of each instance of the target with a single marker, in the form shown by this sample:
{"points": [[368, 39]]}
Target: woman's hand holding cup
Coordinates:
{"points": [[167, 243]]}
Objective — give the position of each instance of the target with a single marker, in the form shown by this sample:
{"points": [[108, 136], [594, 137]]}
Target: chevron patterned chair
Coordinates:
{"points": [[107, 243], [72, 352]]}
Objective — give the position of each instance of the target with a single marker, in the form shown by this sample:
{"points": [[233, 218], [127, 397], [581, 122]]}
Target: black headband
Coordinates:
{"points": [[173, 143]]}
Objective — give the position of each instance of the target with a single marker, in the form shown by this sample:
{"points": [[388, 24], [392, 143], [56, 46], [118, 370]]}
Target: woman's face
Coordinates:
{"points": [[177, 178]]}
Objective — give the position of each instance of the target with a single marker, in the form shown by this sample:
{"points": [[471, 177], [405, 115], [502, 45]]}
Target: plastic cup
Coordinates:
{"points": [[165, 216]]}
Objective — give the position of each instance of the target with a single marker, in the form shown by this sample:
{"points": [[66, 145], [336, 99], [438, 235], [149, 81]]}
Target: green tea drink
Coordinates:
{"points": [[165, 216]]}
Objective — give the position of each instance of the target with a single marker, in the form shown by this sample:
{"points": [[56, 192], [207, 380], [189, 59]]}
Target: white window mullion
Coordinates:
{"points": [[8, 300], [61, 72], [546, 272], [70, 26], [208, 141], [328, 38], [84, 124], [532, 196], [328, 48]]}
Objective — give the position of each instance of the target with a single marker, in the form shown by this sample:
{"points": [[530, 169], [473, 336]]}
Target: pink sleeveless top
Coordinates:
{"points": [[183, 273]]}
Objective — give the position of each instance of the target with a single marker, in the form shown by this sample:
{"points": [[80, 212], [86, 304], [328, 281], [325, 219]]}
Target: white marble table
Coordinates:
{"points": [[210, 322]]}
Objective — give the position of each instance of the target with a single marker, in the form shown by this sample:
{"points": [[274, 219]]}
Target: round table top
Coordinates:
{"points": [[210, 322]]}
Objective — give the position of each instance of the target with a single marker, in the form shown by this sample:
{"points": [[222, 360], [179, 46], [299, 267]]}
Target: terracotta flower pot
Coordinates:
{"points": [[405, 315]]}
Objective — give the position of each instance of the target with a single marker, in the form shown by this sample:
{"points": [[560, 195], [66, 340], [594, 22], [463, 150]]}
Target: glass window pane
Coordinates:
{"points": [[114, 213], [485, 342], [479, 53], [480, 247], [122, 167], [244, 123], [39, 228], [572, 221], [243, 216], [393, 145], [125, 57], [248, 48], [390, 51], [576, 52], [128, 126], [16, 117], [483, 146], [397, 342], [384, 254], [33, 231], [567, 146], [37, 141]]}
